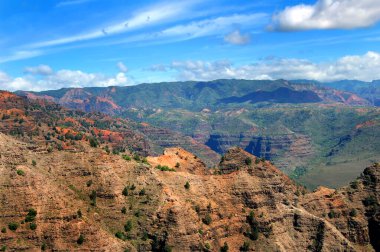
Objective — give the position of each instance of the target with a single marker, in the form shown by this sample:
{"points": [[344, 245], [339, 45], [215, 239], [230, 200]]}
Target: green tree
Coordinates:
{"points": [[128, 226], [224, 248], [125, 191], [33, 226], [80, 239], [13, 226], [187, 185]]}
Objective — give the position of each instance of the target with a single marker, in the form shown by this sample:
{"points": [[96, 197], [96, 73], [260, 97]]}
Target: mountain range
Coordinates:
{"points": [[86, 182], [317, 134]]}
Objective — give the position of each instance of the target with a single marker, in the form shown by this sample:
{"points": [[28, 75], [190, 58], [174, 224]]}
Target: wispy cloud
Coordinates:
{"points": [[72, 2], [202, 28], [151, 16], [19, 55]]}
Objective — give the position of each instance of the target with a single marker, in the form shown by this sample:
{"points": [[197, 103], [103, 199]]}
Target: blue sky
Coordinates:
{"points": [[74, 43]]}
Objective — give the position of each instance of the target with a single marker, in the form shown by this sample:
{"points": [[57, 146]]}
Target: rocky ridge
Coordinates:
{"points": [[245, 203]]}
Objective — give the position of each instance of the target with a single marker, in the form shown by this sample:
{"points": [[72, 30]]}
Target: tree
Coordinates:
{"points": [[93, 198], [248, 161], [245, 246], [20, 172], [31, 216], [224, 248], [79, 213], [353, 212], [125, 191], [187, 185], [128, 226], [13, 226], [142, 192], [207, 219], [124, 210], [80, 239], [94, 143], [32, 226]]}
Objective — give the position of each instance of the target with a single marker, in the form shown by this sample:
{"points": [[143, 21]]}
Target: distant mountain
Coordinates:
{"points": [[305, 128], [367, 90], [193, 95]]}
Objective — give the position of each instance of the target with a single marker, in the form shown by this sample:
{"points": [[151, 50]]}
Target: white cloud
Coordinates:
{"points": [[123, 68], [71, 2], [237, 38], [196, 29], [18, 55], [329, 14], [39, 70], [62, 78], [154, 15], [361, 67]]}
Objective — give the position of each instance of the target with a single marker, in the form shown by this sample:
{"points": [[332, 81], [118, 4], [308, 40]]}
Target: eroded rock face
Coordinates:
{"points": [[95, 194]]}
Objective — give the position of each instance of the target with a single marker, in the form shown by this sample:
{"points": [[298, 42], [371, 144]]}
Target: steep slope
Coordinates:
{"points": [[91, 200], [44, 121]]}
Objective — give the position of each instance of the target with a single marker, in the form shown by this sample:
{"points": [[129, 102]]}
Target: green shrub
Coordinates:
{"points": [[207, 219], [4, 230], [197, 209], [132, 187], [34, 163], [79, 213], [187, 185], [20, 172], [165, 168], [80, 239], [319, 239], [208, 247], [370, 201], [253, 234], [120, 235], [177, 165], [31, 216], [224, 248], [43, 246], [93, 142], [89, 183], [93, 198], [3, 248], [124, 210], [245, 246], [332, 214], [126, 157], [353, 212], [13, 226], [33, 226], [248, 161], [128, 226], [136, 158], [125, 191], [142, 192], [354, 184]]}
